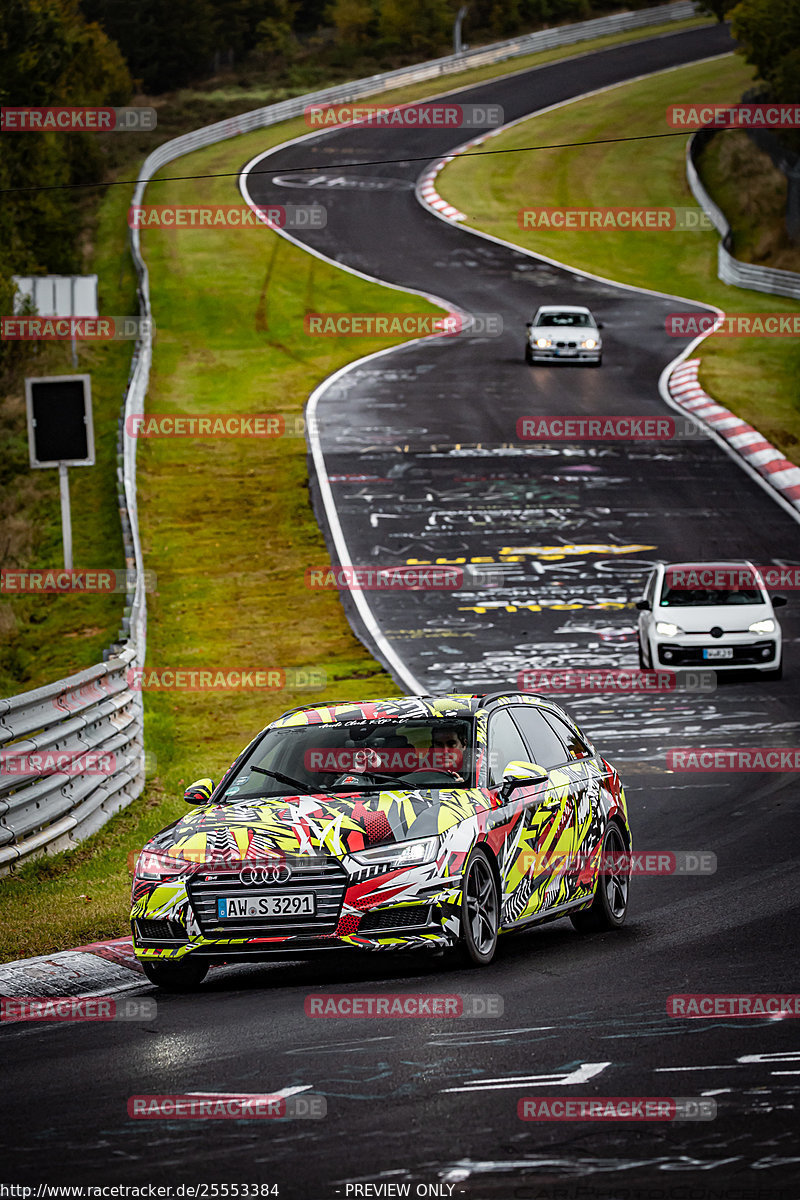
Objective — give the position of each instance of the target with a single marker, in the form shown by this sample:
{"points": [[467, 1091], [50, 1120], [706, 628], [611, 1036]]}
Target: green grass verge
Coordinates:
{"points": [[757, 378], [45, 637], [227, 526]]}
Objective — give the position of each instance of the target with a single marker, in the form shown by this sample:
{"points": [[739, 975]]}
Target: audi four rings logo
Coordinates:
{"points": [[265, 876]]}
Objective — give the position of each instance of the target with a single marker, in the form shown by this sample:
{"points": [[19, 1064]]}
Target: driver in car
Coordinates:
{"points": [[450, 738]]}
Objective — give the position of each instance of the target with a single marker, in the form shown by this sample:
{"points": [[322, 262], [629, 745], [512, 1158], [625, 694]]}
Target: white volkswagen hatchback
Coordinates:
{"points": [[709, 614]]}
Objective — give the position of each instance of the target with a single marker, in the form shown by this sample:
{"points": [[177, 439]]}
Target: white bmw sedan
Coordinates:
{"points": [[563, 332]]}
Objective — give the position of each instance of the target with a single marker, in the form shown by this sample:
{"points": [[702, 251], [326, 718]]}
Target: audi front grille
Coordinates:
{"points": [[325, 877]]}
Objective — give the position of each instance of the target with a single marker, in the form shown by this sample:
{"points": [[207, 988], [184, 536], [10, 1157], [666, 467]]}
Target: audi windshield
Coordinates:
{"points": [[347, 756]]}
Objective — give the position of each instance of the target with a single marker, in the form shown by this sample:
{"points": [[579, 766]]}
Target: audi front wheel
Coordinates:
{"points": [[480, 911], [182, 976]]}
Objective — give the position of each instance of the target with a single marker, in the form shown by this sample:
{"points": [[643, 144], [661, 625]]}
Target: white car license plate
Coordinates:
{"points": [[294, 904], [719, 652]]}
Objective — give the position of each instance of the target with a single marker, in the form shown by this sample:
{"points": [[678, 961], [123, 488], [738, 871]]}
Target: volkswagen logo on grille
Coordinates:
{"points": [[265, 876]]}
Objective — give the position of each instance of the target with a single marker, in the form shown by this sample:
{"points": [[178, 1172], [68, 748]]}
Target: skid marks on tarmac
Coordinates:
{"points": [[762, 1078], [564, 557]]}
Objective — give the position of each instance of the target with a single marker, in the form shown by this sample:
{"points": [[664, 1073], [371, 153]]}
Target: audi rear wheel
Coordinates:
{"points": [[610, 905]]}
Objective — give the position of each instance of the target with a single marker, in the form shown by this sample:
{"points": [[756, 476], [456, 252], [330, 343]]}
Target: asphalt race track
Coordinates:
{"points": [[429, 432]]}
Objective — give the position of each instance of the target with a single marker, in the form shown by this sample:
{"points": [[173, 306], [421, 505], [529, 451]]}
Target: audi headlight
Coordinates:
{"points": [[543, 343], [765, 626], [400, 854], [153, 864], [589, 343], [666, 629]]}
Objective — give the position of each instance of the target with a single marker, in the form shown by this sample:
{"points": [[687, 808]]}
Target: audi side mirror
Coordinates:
{"points": [[521, 774], [529, 324], [643, 605], [199, 792], [779, 601], [600, 325]]}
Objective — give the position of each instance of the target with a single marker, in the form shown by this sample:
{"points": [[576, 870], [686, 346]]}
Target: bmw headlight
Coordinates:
{"points": [[543, 343], [400, 854], [765, 626], [666, 629], [589, 343]]}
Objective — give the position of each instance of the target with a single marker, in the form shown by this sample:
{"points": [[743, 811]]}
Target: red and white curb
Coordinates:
{"points": [[428, 195], [96, 969], [753, 447], [426, 191]]}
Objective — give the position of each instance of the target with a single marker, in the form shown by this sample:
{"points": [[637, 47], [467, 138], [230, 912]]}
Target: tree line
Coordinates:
{"points": [[102, 52]]}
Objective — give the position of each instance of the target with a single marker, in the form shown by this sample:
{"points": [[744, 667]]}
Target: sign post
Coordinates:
{"points": [[66, 515], [60, 434]]}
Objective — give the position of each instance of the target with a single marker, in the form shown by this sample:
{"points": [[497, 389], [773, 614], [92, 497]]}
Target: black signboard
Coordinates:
{"points": [[60, 427]]}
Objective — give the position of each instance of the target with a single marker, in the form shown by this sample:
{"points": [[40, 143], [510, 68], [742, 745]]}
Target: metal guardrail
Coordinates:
{"points": [[730, 269], [95, 709]]}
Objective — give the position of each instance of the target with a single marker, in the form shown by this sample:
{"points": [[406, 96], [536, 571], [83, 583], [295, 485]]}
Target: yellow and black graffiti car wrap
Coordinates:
{"points": [[262, 868]]}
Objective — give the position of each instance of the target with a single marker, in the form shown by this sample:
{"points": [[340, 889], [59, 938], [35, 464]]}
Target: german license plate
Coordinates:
{"points": [[719, 652], [294, 904]]}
